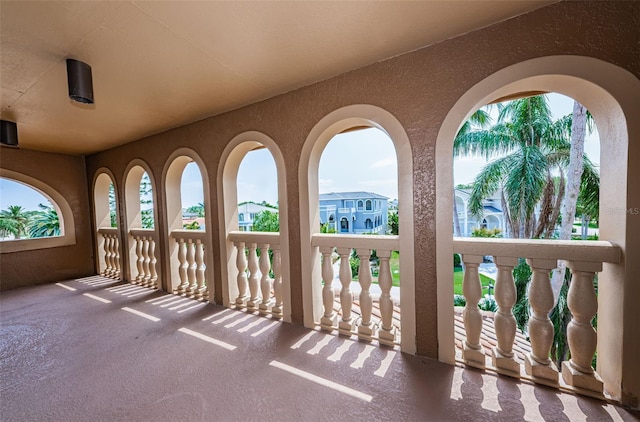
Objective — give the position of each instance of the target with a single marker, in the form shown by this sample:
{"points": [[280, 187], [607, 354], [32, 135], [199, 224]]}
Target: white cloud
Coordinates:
{"points": [[384, 163]]}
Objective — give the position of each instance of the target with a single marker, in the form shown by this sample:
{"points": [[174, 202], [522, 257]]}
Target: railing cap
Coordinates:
{"points": [[272, 238], [569, 250], [382, 242]]}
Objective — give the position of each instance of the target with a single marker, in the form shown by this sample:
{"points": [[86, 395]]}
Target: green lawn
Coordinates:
{"points": [[394, 265], [457, 281]]}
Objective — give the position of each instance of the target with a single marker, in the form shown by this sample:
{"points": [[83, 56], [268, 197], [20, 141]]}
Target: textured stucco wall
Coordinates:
{"points": [[66, 174]]}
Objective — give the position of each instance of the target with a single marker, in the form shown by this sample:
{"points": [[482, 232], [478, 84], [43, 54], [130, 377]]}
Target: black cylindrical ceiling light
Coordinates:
{"points": [[80, 81], [8, 133]]}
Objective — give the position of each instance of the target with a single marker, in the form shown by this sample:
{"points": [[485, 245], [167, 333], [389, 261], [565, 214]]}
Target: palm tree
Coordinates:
{"points": [[14, 221], [44, 223], [532, 148], [482, 119]]}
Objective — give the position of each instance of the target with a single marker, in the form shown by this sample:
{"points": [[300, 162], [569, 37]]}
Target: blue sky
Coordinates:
{"points": [[375, 169]]}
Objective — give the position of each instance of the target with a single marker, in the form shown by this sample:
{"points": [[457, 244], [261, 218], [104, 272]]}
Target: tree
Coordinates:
{"points": [[44, 223], [14, 221], [266, 221], [531, 148], [482, 119], [393, 222], [146, 198], [197, 209]]}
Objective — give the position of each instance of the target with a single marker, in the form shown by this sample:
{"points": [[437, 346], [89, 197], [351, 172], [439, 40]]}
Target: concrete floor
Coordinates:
{"points": [[107, 351]]}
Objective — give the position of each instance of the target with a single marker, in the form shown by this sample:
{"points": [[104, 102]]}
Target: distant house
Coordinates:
{"points": [[247, 212], [354, 212], [492, 215]]}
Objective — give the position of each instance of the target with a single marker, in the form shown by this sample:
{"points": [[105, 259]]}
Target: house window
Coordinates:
{"points": [[252, 216], [241, 217], [344, 225], [360, 205], [368, 224], [368, 205], [332, 218]]}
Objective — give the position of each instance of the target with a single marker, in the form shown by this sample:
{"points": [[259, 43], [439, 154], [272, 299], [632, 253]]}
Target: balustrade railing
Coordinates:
{"points": [[191, 264], [146, 261], [257, 289], [111, 248], [583, 258], [365, 327]]}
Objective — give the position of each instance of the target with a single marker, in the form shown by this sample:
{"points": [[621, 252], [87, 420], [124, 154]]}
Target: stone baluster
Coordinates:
{"points": [[583, 304], [366, 327], [191, 269], [265, 280], [201, 287], [152, 265], [537, 363], [107, 255], [183, 265], [387, 332], [505, 323], [276, 309], [472, 352], [145, 264], [329, 319], [116, 257], [139, 260], [346, 325], [254, 278], [241, 265]]}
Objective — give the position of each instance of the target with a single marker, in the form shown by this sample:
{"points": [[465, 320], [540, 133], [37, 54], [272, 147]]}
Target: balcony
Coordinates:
{"points": [[157, 359], [106, 341]]}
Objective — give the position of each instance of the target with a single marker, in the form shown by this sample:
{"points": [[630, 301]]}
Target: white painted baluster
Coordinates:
{"points": [[265, 281], [116, 257], [107, 255], [183, 265], [387, 332], [472, 352], [346, 325], [537, 363], [583, 304], [254, 278], [201, 288], [145, 264], [152, 265], [139, 260], [366, 327], [241, 265], [276, 309], [191, 269], [329, 320], [505, 323]]}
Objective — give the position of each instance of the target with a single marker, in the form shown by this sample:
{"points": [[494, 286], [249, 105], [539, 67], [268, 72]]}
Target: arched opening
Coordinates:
{"points": [[58, 206], [232, 186], [189, 253], [106, 214], [606, 91], [341, 120], [26, 213], [142, 236], [344, 225]]}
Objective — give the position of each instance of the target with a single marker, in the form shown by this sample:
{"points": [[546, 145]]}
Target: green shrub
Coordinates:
{"points": [[459, 300], [457, 261]]}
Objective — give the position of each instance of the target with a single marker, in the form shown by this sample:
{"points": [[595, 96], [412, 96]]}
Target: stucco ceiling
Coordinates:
{"points": [[159, 65]]}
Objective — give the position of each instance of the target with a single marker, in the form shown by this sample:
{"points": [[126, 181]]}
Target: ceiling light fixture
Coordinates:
{"points": [[8, 133], [80, 81]]}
